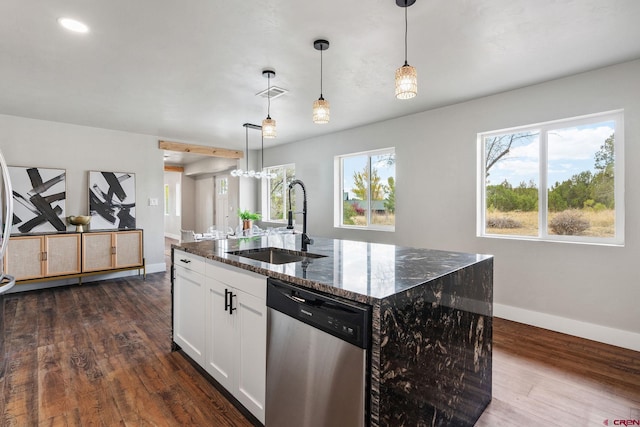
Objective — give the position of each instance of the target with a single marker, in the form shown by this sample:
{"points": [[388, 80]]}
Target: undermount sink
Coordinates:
{"points": [[276, 255]]}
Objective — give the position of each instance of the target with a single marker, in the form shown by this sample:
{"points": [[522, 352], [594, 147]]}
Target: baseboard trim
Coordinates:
{"points": [[590, 331]]}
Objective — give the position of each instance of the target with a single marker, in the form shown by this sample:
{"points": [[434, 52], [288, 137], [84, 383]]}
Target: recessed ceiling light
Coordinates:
{"points": [[73, 25]]}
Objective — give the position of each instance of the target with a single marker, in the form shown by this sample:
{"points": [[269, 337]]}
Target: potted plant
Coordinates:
{"points": [[247, 218]]}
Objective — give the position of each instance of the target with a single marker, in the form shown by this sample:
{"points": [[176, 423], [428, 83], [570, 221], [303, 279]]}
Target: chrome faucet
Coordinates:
{"points": [[305, 237]]}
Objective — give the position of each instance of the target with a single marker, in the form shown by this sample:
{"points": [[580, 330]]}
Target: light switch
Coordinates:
{"points": [[153, 201]]}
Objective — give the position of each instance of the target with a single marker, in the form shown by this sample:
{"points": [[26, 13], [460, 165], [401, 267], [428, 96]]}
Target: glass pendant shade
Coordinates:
{"points": [[321, 112], [269, 128], [406, 82]]}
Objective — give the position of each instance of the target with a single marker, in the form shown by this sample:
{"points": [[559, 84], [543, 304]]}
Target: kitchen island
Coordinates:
{"points": [[431, 355]]}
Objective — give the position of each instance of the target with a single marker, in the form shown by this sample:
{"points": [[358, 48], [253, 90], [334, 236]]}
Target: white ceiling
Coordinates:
{"points": [[189, 70]]}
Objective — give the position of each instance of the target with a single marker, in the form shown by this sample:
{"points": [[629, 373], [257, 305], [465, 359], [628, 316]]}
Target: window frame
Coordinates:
{"points": [[544, 128], [266, 198], [339, 191]]}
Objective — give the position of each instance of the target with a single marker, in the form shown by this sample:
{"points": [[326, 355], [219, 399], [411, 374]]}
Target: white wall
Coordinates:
{"points": [[586, 290], [80, 149]]}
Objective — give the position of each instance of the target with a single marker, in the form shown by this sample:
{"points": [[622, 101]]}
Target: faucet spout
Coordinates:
{"points": [[305, 237]]}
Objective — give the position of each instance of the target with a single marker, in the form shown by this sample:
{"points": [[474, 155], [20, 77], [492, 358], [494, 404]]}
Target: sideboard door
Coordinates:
{"points": [[128, 246], [97, 251], [25, 257], [63, 254]]}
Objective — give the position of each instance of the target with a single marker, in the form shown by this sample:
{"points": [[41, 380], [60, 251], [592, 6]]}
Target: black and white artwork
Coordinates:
{"points": [[39, 196], [112, 200]]}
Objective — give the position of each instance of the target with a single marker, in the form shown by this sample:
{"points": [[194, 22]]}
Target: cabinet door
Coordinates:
{"points": [[128, 246], [24, 259], [251, 349], [189, 313], [97, 251], [63, 254], [220, 333]]}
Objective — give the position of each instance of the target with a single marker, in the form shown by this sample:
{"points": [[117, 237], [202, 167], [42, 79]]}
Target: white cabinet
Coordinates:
{"points": [[251, 353], [220, 321], [189, 305], [220, 334], [237, 333]]}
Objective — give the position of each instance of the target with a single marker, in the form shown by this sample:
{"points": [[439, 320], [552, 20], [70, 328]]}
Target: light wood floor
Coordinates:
{"points": [[99, 354]]}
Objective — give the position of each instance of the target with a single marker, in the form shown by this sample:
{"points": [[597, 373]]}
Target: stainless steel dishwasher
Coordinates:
{"points": [[317, 358]]}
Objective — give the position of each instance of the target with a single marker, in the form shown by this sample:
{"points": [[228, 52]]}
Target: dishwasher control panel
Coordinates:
{"points": [[320, 318], [349, 321]]}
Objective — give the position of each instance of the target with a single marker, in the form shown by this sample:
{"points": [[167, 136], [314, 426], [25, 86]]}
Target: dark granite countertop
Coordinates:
{"points": [[361, 271]]}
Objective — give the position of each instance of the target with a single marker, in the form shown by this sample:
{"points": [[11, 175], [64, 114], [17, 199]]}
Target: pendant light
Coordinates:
{"points": [[321, 113], [406, 76], [268, 124], [239, 173]]}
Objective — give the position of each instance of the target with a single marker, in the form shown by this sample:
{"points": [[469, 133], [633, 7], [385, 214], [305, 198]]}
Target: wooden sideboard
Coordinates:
{"points": [[39, 257]]}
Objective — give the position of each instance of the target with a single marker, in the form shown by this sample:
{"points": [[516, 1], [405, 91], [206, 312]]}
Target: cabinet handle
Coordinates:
{"points": [[44, 256], [186, 261], [226, 299], [113, 250], [231, 307]]}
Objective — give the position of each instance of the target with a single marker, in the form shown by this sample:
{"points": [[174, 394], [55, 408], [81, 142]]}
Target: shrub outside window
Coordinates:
{"points": [[278, 195], [579, 163], [366, 190]]}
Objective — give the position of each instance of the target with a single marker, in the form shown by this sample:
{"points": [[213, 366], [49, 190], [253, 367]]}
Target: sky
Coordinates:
{"points": [[571, 151]]}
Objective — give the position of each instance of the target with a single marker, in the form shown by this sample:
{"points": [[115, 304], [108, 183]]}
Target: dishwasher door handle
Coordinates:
{"points": [[296, 299]]}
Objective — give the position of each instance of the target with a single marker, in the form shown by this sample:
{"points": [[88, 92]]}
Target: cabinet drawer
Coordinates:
{"points": [[189, 261], [247, 281]]}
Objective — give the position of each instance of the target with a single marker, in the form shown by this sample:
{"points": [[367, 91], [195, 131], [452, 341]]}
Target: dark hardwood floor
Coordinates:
{"points": [[99, 354]]}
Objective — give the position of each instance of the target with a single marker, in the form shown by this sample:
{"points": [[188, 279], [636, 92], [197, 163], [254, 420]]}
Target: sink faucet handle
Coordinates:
{"points": [[290, 220]]}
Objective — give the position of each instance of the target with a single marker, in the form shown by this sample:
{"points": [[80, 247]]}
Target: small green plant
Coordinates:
{"points": [[247, 215], [570, 222]]}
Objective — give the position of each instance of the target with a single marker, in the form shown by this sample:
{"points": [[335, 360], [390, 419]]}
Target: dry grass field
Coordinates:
{"points": [[602, 223], [376, 219]]}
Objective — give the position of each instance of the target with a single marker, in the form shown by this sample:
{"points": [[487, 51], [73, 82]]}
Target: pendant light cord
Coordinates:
{"points": [[321, 73], [406, 26], [246, 138], [268, 95]]}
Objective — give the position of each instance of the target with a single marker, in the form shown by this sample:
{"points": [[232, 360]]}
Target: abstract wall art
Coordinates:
{"points": [[39, 196], [112, 200]]}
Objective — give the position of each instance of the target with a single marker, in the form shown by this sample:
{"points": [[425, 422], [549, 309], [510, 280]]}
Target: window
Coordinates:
{"points": [[277, 202], [223, 186], [366, 192], [579, 163]]}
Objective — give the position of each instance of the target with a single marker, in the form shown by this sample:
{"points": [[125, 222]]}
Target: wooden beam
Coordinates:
{"points": [[200, 149], [169, 168]]}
